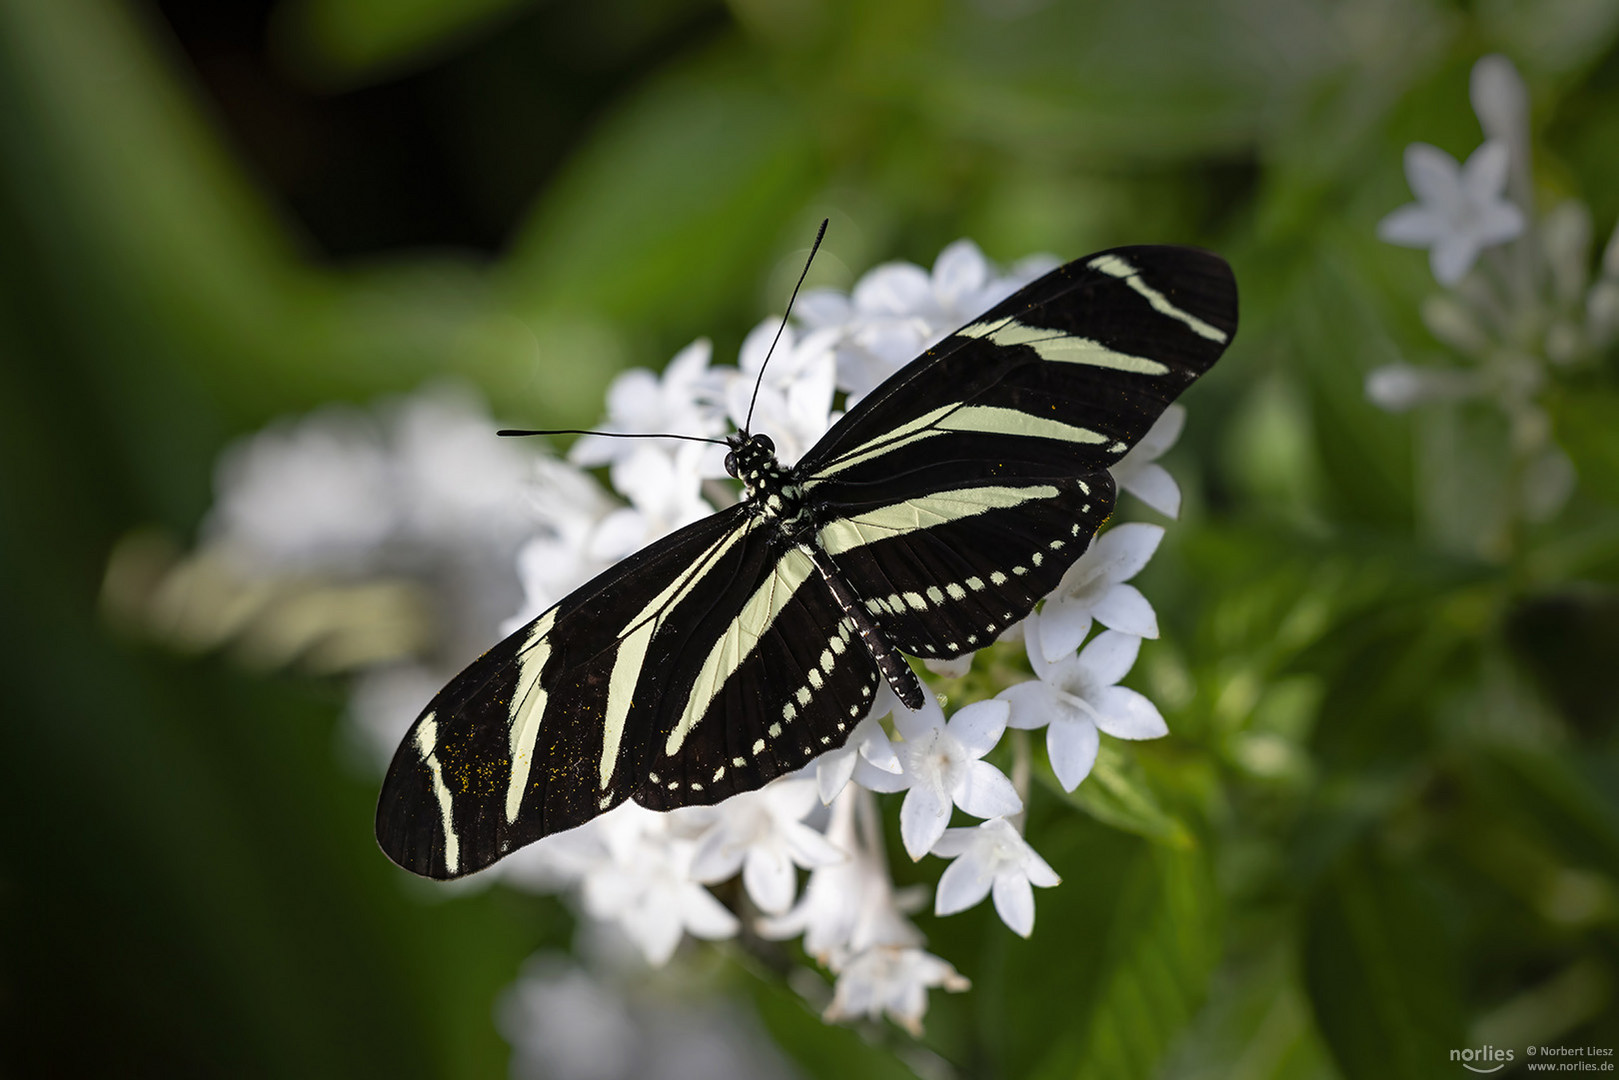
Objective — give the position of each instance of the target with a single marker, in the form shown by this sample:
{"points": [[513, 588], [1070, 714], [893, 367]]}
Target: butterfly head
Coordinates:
{"points": [[752, 460]]}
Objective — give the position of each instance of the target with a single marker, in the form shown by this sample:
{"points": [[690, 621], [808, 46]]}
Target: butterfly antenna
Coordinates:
{"points": [[761, 379], [519, 432]]}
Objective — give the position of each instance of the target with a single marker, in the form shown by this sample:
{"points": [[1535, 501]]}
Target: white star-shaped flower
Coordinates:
{"points": [[941, 766], [1094, 588], [868, 745], [1139, 473], [892, 979], [992, 856], [899, 309], [763, 834], [1078, 697], [1460, 210], [794, 405], [645, 884], [847, 906], [680, 401]]}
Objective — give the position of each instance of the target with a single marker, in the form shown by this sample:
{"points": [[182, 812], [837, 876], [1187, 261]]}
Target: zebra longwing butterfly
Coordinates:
{"points": [[937, 512]]}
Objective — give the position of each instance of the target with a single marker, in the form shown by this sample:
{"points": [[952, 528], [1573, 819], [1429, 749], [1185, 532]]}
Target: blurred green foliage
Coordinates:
{"points": [[1387, 825]]}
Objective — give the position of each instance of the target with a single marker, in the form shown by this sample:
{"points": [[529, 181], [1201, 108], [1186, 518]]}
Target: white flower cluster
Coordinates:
{"points": [[428, 491], [1529, 313], [644, 870]]}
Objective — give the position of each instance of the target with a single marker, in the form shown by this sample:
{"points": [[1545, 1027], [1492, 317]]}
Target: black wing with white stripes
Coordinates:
{"points": [[937, 512]]}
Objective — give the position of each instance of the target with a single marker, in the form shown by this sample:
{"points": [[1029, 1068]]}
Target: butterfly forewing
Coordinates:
{"points": [[543, 732], [1065, 375]]}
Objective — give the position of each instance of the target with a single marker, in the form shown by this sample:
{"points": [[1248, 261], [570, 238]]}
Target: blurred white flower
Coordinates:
{"points": [[794, 405], [1139, 473], [850, 905], [460, 485], [763, 834], [569, 507], [1094, 588], [681, 401], [1502, 103], [992, 856], [891, 979], [1398, 387], [898, 310], [312, 493], [664, 487], [645, 884], [1077, 698], [384, 701], [1460, 210], [942, 769], [565, 1024], [868, 745]]}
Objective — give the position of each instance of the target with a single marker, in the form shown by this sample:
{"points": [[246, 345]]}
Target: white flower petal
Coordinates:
{"points": [[1124, 550], [1500, 99], [808, 848], [1163, 434], [1038, 871], [963, 884], [1485, 174], [706, 917], [956, 842], [1014, 902], [769, 878], [1499, 222], [1125, 714], [832, 771], [1412, 225], [1123, 608], [923, 817], [717, 858], [896, 288], [985, 792], [881, 781], [1434, 176], [1110, 656], [951, 669], [1153, 485], [1036, 704], [959, 271], [1452, 257], [914, 724], [1072, 747], [1064, 622], [656, 931], [978, 726]]}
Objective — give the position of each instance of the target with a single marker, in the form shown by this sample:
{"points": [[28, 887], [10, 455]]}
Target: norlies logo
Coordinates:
{"points": [[1482, 1059]]}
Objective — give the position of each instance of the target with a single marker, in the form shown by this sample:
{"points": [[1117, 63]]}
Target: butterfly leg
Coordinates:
{"points": [[901, 679]]}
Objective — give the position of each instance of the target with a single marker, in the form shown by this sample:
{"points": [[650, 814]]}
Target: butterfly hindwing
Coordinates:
{"points": [[784, 679], [945, 574]]}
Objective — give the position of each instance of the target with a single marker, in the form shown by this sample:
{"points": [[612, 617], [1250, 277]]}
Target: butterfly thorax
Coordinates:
{"points": [[769, 487]]}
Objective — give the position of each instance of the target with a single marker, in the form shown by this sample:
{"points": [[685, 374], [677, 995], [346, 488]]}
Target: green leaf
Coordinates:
{"points": [[1585, 423], [1381, 972], [1117, 794], [1161, 944], [667, 215], [351, 38]]}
